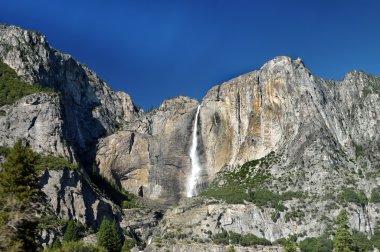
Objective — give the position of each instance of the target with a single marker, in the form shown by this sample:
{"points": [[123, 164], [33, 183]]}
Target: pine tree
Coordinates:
{"points": [[343, 239], [108, 236], [18, 177], [18, 186], [73, 231]]}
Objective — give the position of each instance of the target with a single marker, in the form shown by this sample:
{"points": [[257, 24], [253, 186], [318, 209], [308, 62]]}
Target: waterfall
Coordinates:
{"points": [[195, 165]]}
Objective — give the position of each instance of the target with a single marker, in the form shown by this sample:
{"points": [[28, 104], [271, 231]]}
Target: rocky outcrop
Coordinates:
{"points": [[210, 217], [90, 109], [323, 133], [199, 247], [38, 120], [71, 196], [282, 107], [278, 107], [150, 156]]}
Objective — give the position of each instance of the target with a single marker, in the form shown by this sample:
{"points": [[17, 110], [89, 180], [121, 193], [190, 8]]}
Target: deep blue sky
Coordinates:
{"points": [[155, 49]]}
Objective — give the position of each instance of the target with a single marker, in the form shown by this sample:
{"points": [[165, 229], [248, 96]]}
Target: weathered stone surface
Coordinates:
{"points": [[90, 108], [199, 247], [324, 133], [38, 120], [72, 197], [150, 155]]}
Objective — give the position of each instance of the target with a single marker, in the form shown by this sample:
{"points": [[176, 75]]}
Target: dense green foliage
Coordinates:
{"points": [[236, 183], [4, 151], [76, 246], [360, 242], [73, 231], [227, 238], [128, 204], [18, 188], [375, 239], [128, 245], [319, 244], [290, 246], [13, 88], [343, 241], [375, 195], [54, 163], [350, 195], [108, 236], [43, 162], [248, 183]]}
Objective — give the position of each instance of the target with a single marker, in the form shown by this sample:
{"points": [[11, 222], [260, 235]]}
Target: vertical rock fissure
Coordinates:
{"points": [[195, 165]]}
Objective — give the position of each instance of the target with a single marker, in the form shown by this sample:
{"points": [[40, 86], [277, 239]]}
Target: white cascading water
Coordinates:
{"points": [[195, 165]]}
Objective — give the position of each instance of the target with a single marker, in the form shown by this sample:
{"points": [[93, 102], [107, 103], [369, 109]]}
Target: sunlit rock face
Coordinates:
{"points": [[89, 108], [149, 157], [324, 135], [281, 107]]}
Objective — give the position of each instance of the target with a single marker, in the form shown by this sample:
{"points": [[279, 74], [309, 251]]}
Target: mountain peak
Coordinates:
{"points": [[283, 61]]}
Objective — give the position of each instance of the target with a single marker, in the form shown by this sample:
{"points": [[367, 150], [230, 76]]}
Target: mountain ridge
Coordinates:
{"points": [[278, 140]]}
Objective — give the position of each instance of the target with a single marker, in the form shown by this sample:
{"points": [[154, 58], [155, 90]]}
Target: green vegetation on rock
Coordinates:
{"points": [[128, 245], [4, 151], [350, 195], [108, 236], [317, 244], [227, 238], [290, 246], [343, 241], [19, 191], [73, 231], [51, 162], [248, 183], [375, 195], [77, 246], [12, 88], [360, 242]]}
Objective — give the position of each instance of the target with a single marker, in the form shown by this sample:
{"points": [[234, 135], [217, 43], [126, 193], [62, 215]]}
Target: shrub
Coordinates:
{"points": [[128, 204], [227, 238], [375, 195], [294, 215], [128, 245], [290, 246], [250, 239], [375, 239], [76, 246], [51, 162], [349, 195], [360, 242], [316, 244]]}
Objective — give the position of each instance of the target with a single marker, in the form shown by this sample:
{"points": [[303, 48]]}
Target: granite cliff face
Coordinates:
{"points": [[149, 157], [282, 107], [323, 133], [313, 136], [90, 109]]}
